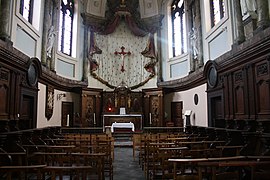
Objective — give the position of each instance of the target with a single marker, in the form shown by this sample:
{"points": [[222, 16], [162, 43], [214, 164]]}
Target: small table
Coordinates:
{"points": [[122, 125]]}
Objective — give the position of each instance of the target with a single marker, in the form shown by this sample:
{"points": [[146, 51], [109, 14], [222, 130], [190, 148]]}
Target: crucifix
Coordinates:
{"points": [[122, 54]]}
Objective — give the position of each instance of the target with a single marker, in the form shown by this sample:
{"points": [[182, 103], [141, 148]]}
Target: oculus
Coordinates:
{"points": [[32, 75], [212, 77]]}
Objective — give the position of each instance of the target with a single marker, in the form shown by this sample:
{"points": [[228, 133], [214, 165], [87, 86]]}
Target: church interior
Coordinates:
{"points": [[180, 85]]}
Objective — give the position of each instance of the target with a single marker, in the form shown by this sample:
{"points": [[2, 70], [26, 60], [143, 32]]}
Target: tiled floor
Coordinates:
{"points": [[125, 168]]}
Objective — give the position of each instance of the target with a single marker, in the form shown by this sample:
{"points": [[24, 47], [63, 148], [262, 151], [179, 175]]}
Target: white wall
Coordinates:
{"points": [[199, 114], [56, 117]]}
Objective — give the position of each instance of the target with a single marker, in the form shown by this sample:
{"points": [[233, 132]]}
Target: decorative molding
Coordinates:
{"points": [[61, 83], [192, 80], [148, 8], [4, 74], [96, 7], [262, 69], [238, 76]]}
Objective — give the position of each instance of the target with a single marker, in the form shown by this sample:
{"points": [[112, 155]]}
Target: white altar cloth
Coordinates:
{"points": [[122, 125]]}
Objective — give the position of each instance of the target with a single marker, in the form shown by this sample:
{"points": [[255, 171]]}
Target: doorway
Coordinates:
{"points": [[67, 114], [27, 113], [176, 113], [216, 116]]}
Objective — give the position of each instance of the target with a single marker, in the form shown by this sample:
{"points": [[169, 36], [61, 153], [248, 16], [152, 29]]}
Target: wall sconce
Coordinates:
{"points": [[60, 96]]}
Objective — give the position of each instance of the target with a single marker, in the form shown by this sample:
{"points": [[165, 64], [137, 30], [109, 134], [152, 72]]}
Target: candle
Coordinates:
{"points": [[150, 118], [94, 118], [68, 120]]}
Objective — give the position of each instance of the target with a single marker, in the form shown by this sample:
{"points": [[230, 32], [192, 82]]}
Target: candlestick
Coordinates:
{"points": [[150, 118], [68, 120], [94, 118]]}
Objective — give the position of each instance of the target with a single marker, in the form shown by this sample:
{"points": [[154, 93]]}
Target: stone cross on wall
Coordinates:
{"points": [[122, 53]]}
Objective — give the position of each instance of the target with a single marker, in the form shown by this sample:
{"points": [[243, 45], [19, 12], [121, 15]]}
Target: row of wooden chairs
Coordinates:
{"points": [[103, 143], [47, 153], [200, 152]]}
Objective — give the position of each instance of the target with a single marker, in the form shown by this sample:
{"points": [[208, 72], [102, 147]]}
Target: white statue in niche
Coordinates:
{"points": [[248, 7], [50, 41], [193, 40]]}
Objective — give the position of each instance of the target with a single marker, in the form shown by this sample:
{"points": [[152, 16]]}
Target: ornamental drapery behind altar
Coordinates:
{"points": [[112, 37], [109, 64]]}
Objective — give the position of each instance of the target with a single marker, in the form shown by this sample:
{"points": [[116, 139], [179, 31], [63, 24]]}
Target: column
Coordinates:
{"points": [[263, 15], [55, 22], [199, 33], [240, 34], [86, 69], [46, 26], [5, 19], [159, 60], [192, 36]]}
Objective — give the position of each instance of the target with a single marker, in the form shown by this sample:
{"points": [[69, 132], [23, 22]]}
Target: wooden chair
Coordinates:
{"points": [[21, 172], [63, 165], [104, 146], [136, 143]]}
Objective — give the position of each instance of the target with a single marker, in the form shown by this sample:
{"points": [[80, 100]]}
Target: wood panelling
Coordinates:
{"points": [[153, 107], [122, 98], [239, 94], [262, 89], [4, 93], [243, 86], [91, 108], [18, 94]]}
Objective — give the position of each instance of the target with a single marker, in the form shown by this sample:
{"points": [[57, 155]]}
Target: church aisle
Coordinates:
{"points": [[124, 165]]}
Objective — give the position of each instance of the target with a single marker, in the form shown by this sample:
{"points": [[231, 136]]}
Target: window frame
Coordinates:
{"points": [[221, 11], [182, 16], [62, 27], [31, 10]]}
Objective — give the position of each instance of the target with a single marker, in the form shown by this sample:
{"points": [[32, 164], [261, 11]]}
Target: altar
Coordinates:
{"points": [[129, 125], [135, 119]]}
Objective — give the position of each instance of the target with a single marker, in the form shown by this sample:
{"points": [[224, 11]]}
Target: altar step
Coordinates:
{"points": [[122, 139]]}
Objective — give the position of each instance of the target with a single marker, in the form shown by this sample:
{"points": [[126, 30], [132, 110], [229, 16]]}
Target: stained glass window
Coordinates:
{"points": [[66, 26], [26, 9], [179, 40], [217, 11]]}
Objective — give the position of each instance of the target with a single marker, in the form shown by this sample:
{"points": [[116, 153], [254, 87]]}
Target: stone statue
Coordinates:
{"points": [[193, 39], [50, 41], [248, 7]]}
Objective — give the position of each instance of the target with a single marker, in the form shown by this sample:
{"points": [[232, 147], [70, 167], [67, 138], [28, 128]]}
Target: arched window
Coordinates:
{"points": [[66, 26], [217, 9], [179, 40], [26, 10]]}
